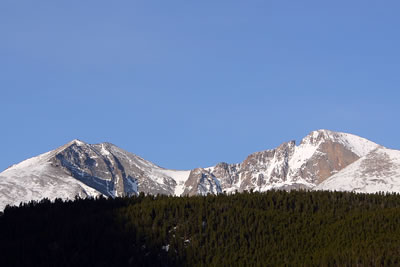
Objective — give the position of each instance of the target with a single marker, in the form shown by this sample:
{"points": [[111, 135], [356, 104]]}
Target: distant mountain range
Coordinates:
{"points": [[324, 160]]}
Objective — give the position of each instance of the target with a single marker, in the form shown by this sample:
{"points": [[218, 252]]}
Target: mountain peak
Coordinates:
{"points": [[358, 145], [103, 168], [320, 135], [107, 144], [76, 142]]}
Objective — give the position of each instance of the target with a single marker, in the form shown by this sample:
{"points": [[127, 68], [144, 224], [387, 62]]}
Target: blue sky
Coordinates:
{"points": [[192, 83]]}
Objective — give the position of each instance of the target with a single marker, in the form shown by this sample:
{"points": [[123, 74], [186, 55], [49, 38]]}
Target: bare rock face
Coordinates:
{"points": [[228, 174], [267, 167], [202, 182], [333, 158], [320, 155], [88, 165], [80, 169], [111, 170], [329, 158], [83, 169], [150, 177]]}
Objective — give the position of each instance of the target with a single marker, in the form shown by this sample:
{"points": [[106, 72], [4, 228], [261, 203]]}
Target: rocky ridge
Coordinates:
{"points": [[77, 168], [320, 154]]}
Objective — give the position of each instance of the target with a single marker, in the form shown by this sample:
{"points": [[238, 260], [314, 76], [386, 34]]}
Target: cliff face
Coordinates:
{"points": [[262, 169], [377, 171], [330, 154], [97, 167], [320, 155], [201, 182], [83, 169]]}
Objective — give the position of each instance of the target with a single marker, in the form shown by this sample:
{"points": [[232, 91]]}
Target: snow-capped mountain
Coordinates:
{"points": [[86, 170], [323, 160], [377, 171], [320, 154]]}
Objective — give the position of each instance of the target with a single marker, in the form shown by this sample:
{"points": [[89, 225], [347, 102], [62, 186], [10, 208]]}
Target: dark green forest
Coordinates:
{"points": [[275, 228]]}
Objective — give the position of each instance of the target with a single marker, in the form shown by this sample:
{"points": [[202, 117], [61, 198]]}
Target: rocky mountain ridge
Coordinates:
{"points": [[77, 168], [320, 154]]}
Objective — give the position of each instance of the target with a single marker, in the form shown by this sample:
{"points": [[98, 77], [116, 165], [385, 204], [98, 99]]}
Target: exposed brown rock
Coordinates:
{"points": [[331, 158], [226, 173], [201, 182]]}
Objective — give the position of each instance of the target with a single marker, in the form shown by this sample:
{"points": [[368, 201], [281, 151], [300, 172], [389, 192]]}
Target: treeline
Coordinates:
{"points": [[275, 228]]}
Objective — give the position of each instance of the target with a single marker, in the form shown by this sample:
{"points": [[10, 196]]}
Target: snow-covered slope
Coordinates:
{"points": [[86, 170], [180, 178], [36, 178], [319, 155], [323, 152], [378, 171], [323, 160], [311, 144]]}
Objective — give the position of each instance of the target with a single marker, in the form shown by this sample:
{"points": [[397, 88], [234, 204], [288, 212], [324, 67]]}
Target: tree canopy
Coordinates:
{"points": [[274, 228]]}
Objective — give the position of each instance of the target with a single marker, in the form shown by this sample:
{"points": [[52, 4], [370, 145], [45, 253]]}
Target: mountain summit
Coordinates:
{"points": [[323, 160], [320, 154]]}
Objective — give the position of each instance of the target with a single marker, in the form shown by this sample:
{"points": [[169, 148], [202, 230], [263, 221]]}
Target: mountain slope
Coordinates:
{"points": [[378, 171], [323, 160], [85, 170], [37, 178], [320, 154]]}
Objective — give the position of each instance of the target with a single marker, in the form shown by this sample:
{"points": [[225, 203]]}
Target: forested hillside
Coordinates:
{"points": [[248, 229]]}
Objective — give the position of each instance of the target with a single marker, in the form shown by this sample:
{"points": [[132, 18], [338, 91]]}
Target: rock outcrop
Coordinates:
{"points": [[319, 161]]}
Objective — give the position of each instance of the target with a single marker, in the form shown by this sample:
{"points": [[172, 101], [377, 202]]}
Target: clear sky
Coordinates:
{"points": [[192, 83]]}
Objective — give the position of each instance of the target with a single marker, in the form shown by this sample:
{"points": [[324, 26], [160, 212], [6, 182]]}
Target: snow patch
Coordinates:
{"points": [[180, 178], [104, 151]]}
